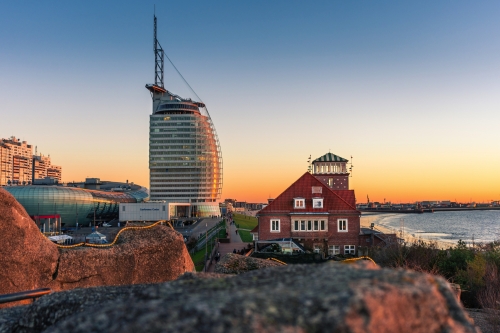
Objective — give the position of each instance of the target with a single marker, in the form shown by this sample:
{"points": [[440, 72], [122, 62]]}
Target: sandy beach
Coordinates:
{"points": [[368, 218]]}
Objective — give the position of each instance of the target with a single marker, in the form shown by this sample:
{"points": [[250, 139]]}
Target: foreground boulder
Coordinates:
{"points": [[151, 255], [28, 260], [236, 264], [330, 297]]}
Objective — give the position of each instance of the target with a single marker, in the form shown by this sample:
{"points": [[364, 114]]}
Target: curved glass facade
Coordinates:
{"points": [[73, 204], [185, 158]]}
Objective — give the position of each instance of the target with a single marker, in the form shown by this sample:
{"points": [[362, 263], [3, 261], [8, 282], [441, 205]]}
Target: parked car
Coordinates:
{"points": [[106, 225]]}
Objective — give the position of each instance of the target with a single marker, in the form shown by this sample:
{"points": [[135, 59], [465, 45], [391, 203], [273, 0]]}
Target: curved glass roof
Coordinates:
{"points": [[75, 205]]}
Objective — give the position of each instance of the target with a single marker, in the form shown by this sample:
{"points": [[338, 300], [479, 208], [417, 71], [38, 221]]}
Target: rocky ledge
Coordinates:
{"points": [[30, 261], [236, 264], [330, 297]]}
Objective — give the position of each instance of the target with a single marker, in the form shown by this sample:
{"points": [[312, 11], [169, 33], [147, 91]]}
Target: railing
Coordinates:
{"points": [[23, 295], [116, 237]]}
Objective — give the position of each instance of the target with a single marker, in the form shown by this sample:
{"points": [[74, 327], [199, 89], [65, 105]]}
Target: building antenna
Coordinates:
{"points": [[159, 58]]}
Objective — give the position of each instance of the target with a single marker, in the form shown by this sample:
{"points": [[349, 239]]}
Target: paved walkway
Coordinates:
{"points": [[235, 243]]}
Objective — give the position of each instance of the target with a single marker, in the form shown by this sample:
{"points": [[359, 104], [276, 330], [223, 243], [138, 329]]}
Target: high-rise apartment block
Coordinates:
{"points": [[18, 165], [42, 167]]}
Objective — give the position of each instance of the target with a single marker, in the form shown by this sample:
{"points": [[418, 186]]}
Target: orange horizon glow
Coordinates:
{"points": [[246, 179]]}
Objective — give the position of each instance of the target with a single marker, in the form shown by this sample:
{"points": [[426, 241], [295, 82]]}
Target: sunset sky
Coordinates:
{"points": [[411, 90]]}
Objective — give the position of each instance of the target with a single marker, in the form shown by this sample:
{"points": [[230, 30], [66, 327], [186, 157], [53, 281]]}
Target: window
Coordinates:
{"points": [[300, 203], [350, 249], [333, 250], [330, 182], [317, 202], [163, 208], [123, 208], [317, 249], [342, 225], [309, 225], [275, 225]]}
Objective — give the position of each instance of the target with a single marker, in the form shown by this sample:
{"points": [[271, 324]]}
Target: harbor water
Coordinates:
{"points": [[482, 226]]}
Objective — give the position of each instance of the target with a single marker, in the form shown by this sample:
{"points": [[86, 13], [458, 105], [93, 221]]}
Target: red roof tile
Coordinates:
{"points": [[333, 200]]}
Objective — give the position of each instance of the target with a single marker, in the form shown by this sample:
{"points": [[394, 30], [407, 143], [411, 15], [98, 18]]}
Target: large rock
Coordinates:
{"points": [[28, 260], [141, 256], [330, 297], [236, 264]]}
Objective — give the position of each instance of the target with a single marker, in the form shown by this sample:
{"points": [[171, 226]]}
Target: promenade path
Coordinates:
{"points": [[235, 243]]}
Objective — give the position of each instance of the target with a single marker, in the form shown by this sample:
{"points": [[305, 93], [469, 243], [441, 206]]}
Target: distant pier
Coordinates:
{"points": [[425, 210]]}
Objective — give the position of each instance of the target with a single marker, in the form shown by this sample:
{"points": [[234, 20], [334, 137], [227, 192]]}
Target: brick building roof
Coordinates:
{"points": [[330, 158], [333, 200]]}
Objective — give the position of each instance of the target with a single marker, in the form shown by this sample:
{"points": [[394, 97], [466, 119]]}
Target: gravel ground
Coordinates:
{"points": [[487, 322]]}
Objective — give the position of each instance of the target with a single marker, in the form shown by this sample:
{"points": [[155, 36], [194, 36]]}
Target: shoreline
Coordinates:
{"points": [[367, 218]]}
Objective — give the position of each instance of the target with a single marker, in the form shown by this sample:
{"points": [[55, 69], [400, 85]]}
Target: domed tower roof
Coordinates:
{"points": [[329, 157]]}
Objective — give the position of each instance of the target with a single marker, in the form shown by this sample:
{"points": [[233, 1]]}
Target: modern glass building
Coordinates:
{"points": [[72, 204], [185, 159]]}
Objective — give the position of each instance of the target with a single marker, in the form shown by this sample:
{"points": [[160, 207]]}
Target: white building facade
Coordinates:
{"points": [[146, 211]]}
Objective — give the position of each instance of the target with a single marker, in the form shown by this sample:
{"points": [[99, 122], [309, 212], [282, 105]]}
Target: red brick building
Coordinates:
{"points": [[317, 213]]}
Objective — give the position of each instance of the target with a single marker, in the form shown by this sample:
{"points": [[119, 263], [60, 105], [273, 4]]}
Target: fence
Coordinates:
{"points": [[23, 295]]}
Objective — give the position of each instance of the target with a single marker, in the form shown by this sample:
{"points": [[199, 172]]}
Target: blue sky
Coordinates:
{"points": [[409, 89]]}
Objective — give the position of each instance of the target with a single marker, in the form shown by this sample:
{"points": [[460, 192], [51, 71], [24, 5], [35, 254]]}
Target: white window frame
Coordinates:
{"points": [[303, 225], [333, 250], [299, 203], [317, 201], [317, 249], [350, 249], [275, 225], [341, 227], [324, 224]]}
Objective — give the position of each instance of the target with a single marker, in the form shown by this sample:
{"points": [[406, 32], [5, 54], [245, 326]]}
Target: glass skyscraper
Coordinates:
{"points": [[185, 160]]}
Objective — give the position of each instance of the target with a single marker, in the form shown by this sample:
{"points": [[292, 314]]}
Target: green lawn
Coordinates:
{"points": [[245, 235], [198, 257], [245, 222]]}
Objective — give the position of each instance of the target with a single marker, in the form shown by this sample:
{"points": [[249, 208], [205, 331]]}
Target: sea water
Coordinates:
{"points": [[479, 226]]}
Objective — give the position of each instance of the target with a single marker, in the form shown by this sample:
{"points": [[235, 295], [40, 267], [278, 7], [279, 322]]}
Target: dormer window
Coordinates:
{"points": [[317, 202], [299, 203]]}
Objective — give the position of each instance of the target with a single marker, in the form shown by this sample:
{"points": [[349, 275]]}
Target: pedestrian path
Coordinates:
{"points": [[235, 243]]}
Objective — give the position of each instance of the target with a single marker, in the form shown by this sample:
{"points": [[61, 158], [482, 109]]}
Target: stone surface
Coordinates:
{"points": [[28, 260], [487, 320], [329, 297], [236, 264], [141, 256]]}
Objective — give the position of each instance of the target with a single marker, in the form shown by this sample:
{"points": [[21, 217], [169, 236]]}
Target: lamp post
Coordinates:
{"points": [[206, 244]]}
